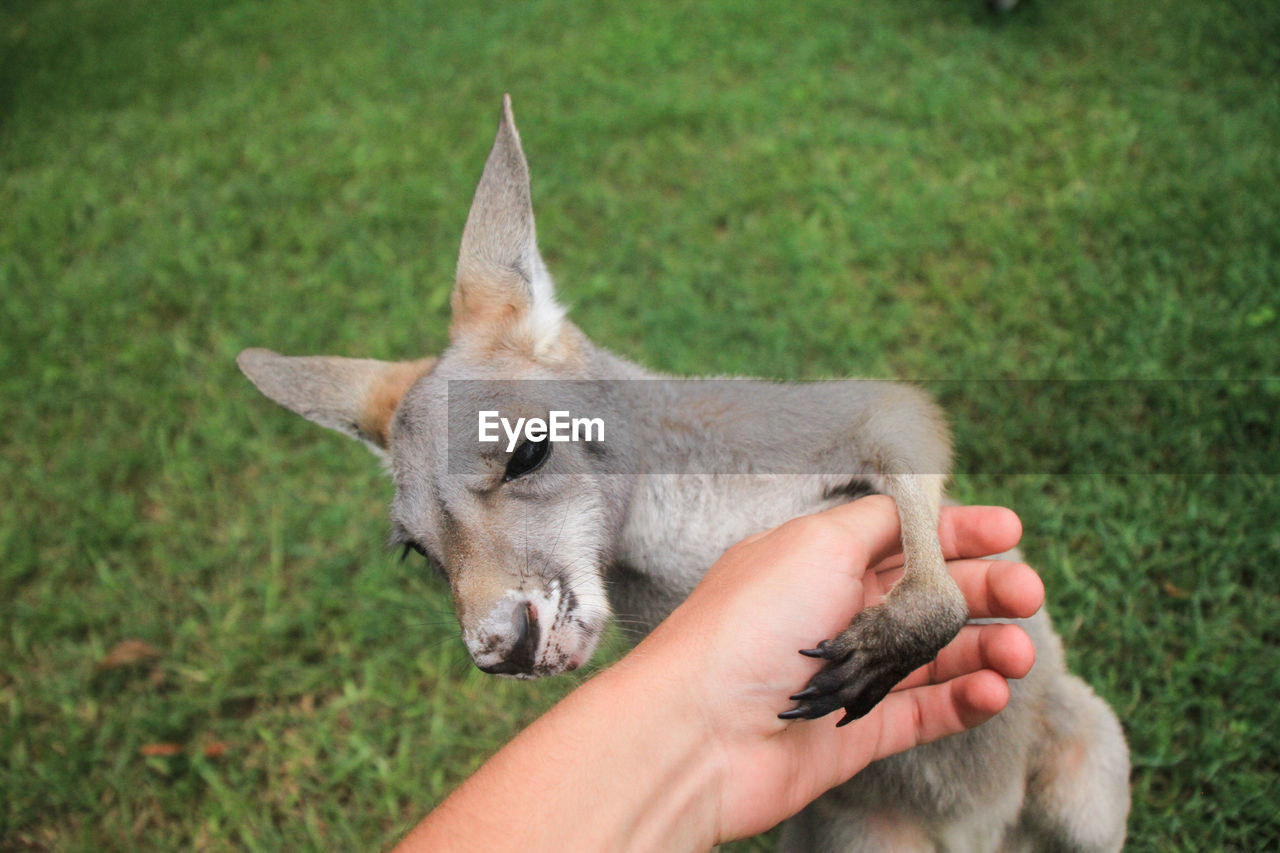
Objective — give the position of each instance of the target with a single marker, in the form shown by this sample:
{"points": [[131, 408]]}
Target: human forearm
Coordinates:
{"points": [[605, 769]]}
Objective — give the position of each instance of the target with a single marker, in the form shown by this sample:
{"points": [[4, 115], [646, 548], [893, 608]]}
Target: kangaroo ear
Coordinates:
{"points": [[355, 396], [503, 290]]}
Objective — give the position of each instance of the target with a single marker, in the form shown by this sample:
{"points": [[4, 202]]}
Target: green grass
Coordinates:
{"points": [[1082, 190]]}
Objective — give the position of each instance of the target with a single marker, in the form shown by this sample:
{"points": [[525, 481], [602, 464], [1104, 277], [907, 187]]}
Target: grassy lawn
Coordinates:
{"points": [[1083, 190]]}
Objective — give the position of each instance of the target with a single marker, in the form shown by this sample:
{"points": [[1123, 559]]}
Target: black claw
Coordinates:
{"points": [[796, 713], [819, 652], [807, 693], [848, 717]]}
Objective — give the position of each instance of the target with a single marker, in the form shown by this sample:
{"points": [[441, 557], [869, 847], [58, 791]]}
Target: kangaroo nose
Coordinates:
{"points": [[522, 652]]}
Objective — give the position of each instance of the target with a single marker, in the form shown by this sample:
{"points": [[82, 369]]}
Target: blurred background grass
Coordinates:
{"points": [[1081, 190]]}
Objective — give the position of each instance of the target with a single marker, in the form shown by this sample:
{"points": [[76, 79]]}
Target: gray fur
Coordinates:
{"points": [[1049, 773]]}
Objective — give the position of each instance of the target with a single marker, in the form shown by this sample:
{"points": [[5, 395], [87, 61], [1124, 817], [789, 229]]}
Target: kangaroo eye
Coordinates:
{"points": [[525, 458], [412, 546]]}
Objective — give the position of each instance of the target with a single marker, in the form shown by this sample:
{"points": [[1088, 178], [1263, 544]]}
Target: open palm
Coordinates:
{"points": [[810, 577]]}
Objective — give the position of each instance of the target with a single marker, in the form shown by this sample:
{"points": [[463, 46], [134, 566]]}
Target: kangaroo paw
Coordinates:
{"points": [[878, 649]]}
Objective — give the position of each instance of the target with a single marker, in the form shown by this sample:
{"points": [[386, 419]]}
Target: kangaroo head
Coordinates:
{"points": [[522, 532]]}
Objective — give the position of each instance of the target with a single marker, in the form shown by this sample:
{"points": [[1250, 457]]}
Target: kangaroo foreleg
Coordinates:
{"points": [[886, 642]]}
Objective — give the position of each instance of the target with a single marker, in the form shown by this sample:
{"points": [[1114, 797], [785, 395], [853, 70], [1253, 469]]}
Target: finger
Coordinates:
{"points": [[1008, 590], [871, 524], [966, 531], [999, 589], [1002, 648], [867, 532], [924, 714], [978, 531]]}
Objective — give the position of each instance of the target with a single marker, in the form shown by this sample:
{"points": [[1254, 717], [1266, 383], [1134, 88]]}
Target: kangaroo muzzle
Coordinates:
{"points": [[510, 647], [531, 633]]}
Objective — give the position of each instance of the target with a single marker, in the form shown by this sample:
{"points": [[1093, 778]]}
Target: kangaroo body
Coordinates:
{"points": [[629, 525]]}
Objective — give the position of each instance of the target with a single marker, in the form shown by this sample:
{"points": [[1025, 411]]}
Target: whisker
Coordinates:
{"points": [[432, 643], [551, 554], [433, 623], [622, 620], [524, 572]]}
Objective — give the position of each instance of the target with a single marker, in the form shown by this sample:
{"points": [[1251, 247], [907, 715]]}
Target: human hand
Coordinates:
{"points": [[738, 633]]}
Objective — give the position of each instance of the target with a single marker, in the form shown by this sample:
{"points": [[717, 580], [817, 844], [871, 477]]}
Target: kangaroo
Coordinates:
{"points": [[542, 540]]}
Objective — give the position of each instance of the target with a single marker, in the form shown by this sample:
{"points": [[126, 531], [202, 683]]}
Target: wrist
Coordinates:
{"points": [[661, 749]]}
